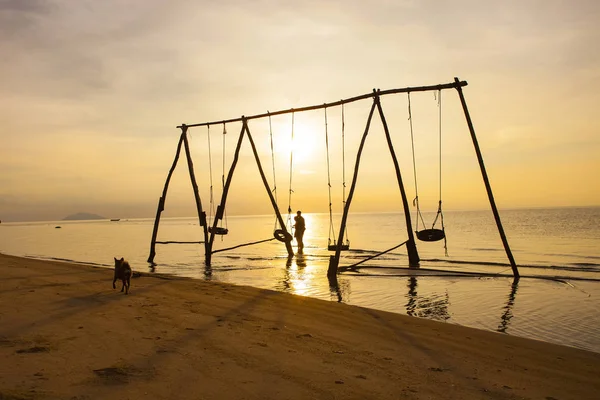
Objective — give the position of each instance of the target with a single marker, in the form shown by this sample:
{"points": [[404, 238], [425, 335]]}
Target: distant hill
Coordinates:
{"points": [[82, 216]]}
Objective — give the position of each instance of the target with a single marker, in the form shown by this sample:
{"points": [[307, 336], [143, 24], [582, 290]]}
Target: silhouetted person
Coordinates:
{"points": [[300, 228]]}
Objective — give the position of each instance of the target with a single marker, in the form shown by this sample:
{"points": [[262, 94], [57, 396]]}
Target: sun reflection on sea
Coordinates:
{"points": [[299, 275]]}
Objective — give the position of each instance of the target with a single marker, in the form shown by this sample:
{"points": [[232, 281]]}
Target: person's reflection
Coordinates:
{"points": [[508, 314], [300, 261], [293, 272]]}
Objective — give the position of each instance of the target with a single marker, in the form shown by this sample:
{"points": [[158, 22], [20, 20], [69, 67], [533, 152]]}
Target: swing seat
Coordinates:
{"points": [[334, 247], [430, 235], [282, 236], [218, 230]]}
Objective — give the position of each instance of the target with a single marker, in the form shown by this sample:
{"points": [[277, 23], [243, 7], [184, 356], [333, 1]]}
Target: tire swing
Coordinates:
{"points": [[345, 245], [432, 234], [217, 230], [282, 236]]}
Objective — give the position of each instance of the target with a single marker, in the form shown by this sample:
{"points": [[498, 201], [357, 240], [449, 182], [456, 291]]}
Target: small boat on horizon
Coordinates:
{"points": [[115, 219]]}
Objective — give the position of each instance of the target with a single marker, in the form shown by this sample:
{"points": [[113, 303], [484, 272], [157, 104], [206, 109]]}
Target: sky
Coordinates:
{"points": [[92, 92]]}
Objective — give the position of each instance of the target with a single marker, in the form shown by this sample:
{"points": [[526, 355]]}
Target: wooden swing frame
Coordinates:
{"points": [[413, 255]]}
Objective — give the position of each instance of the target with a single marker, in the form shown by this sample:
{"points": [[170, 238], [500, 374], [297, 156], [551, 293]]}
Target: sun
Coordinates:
{"points": [[305, 144]]}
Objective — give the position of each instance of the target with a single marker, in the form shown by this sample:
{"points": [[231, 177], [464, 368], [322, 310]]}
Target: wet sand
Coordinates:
{"points": [[66, 334]]}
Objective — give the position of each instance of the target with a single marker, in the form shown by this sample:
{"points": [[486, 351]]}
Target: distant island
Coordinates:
{"points": [[82, 216]]}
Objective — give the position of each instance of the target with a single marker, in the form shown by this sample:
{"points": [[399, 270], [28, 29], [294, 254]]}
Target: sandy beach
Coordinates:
{"points": [[66, 334]]}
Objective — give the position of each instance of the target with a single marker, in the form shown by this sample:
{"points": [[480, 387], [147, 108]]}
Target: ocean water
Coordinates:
{"points": [[557, 250]]}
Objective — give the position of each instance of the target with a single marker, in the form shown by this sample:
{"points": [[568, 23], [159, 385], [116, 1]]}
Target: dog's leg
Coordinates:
{"points": [[127, 284], [115, 280]]}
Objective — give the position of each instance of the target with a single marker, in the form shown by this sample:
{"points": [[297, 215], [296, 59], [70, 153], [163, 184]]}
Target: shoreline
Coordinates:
{"points": [[65, 333], [338, 293]]}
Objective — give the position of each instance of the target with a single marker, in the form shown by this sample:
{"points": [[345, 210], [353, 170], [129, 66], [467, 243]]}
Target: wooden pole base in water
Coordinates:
{"points": [[221, 207], [334, 260], [411, 247], [413, 255], [486, 181], [201, 214], [161, 202]]}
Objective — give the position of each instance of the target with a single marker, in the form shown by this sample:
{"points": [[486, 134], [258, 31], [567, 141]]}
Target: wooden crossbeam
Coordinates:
{"points": [[451, 85]]}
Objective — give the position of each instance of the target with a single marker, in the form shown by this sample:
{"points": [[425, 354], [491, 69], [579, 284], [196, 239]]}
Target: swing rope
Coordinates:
{"points": [[440, 214], [211, 209], [412, 142], [344, 170], [223, 173], [429, 234], [440, 136], [212, 215], [274, 191], [331, 228], [345, 243], [289, 219]]}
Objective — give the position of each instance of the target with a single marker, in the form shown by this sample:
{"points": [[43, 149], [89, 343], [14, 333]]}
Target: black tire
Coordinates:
{"points": [[282, 236]]}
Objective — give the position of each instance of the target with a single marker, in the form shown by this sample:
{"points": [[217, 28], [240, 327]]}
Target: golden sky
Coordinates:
{"points": [[92, 92]]}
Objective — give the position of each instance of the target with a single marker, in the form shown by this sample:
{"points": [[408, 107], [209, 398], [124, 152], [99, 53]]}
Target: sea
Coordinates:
{"points": [[465, 280]]}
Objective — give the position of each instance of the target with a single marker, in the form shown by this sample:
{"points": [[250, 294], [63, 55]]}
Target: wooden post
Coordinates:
{"points": [[413, 255], [486, 181], [288, 243], [221, 206], [201, 214], [335, 259], [161, 201]]}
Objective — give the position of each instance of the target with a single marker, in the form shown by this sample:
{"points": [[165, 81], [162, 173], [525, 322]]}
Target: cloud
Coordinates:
{"points": [[91, 91]]}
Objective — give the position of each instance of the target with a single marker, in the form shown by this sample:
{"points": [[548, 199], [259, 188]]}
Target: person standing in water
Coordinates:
{"points": [[300, 227]]}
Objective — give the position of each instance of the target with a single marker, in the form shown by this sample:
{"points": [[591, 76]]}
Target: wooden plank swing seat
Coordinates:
{"points": [[334, 247], [218, 230]]}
